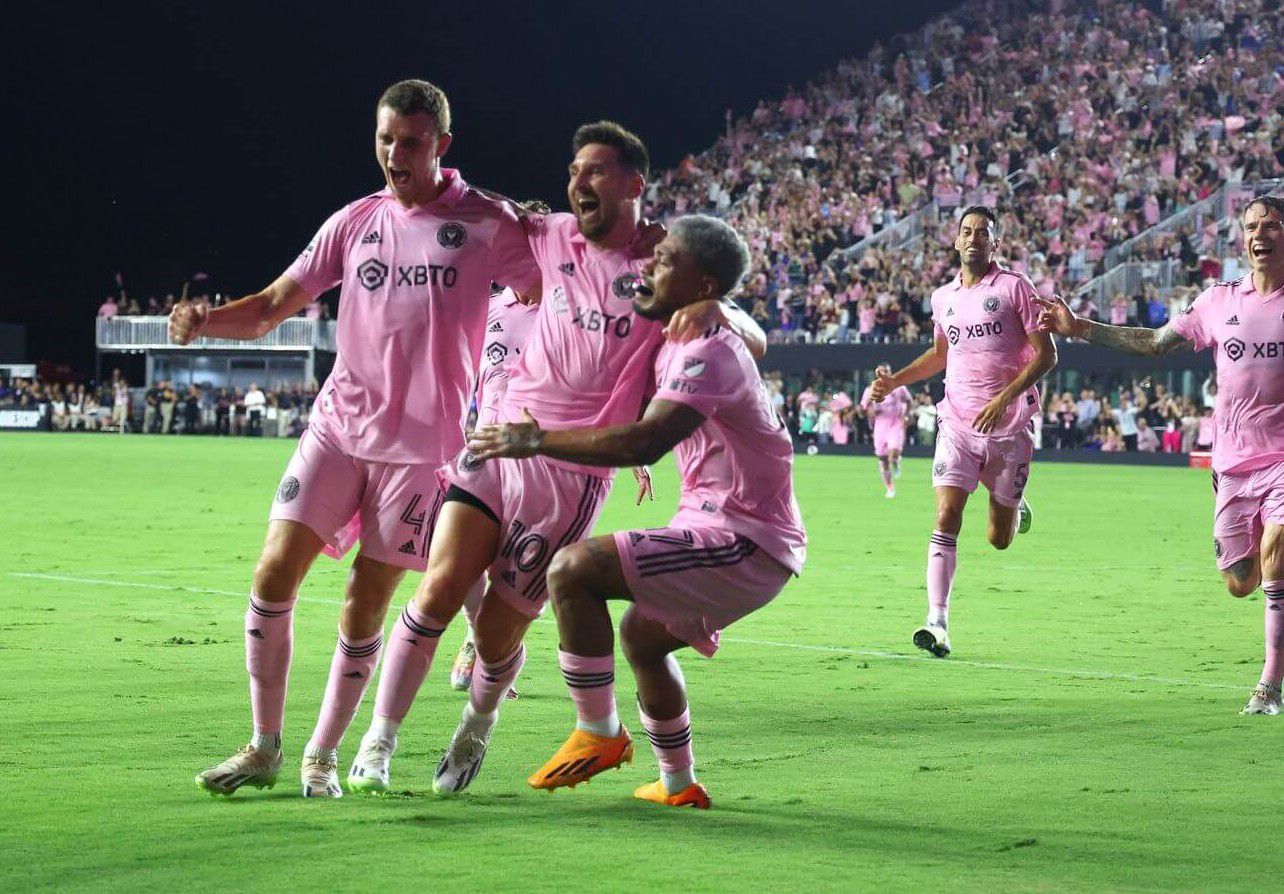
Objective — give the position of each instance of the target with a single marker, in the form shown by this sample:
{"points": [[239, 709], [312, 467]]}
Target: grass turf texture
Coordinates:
{"points": [[1084, 738]]}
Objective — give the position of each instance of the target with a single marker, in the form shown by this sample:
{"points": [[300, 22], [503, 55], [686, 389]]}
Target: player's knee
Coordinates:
{"points": [[276, 576], [567, 573], [636, 641], [949, 519], [1240, 588]]}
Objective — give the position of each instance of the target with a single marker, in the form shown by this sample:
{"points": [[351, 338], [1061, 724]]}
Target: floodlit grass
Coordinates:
{"points": [[1085, 736]]}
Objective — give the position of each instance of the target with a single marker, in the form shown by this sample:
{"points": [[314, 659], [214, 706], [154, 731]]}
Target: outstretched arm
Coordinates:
{"points": [[665, 424], [244, 319], [1057, 317]]}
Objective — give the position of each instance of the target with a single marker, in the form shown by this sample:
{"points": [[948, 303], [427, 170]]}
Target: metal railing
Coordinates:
{"points": [[1128, 279], [152, 333]]}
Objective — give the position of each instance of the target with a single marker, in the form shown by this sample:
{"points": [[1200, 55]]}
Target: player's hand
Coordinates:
{"points": [[642, 475], [882, 385], [991, 414], [650, 234], [1056, 316], [694, 320], [186, 321], [516, 440]]}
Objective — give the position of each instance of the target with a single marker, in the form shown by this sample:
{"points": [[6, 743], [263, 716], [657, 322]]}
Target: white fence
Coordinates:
{"points": [[152, 333]]}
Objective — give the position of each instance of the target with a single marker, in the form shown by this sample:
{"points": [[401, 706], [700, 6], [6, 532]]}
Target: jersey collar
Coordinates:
{"points": [[987, 280]]}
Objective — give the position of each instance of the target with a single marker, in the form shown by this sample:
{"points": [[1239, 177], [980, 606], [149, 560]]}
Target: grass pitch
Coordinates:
{"points": [[1084, 738]]}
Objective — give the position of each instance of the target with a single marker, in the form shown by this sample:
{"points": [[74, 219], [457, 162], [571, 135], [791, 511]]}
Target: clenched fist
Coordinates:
{"points": [[186, 321], [882, 384]]}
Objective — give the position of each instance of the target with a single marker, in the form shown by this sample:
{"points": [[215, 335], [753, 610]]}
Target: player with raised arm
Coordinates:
{"points": [[414, 263], [1243, 322], [987, 341], [735, 541], [587, 363], [888, 418]]}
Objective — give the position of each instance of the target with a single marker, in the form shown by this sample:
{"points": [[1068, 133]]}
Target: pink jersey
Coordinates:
{"points": [[508, 326], [737, 468], [1246, 332], [588, 362], [412, 315], [892, 410], [987, 327]]}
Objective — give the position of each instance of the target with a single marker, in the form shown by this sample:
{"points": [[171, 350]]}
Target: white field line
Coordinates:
{"points": [[1078, 673]]}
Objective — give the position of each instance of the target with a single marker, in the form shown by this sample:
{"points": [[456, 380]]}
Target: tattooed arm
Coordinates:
{"points": [[1057, 317]]}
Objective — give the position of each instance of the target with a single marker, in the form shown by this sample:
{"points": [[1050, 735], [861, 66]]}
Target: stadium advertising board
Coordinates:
{"points": [[26, 420]]}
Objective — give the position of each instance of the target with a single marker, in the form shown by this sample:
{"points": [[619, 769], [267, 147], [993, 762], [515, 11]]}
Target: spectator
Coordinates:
{"points": [[1147, 440], [255, 403]]}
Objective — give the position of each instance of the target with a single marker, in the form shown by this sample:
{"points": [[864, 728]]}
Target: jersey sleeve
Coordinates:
{"points": [[866, 397], [320, 266], [1023, 295], [1192, 323], [514, 258], [705, 374], [938, 331]]}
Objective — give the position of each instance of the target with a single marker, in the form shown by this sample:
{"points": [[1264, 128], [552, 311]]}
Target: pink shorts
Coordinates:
{"points": [[395, 506], [1245, 503], [888, 436], [964, 459], [697, 581], [540, 508]]}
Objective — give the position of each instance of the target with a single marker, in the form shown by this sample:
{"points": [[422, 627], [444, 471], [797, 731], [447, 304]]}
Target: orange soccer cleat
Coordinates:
{"points": [[582, 757], [694, 795]]}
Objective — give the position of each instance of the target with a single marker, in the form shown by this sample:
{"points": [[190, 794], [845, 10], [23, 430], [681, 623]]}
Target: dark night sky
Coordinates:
{"points": [[159, 139]]}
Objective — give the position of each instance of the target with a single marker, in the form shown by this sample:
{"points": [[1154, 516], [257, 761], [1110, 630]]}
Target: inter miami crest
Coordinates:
{"points": [[288, 490], [624, 286], [938, 470], [991, 304], [469, 463], [451, 235]]}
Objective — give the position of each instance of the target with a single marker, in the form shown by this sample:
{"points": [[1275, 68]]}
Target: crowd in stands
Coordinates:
{"points": [[162, 408], [1086, 123], [119, 304]]}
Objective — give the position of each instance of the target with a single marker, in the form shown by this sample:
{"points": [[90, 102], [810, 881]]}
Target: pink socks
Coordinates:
{"points": [[269, 643], [942, 559], [411, 646]]}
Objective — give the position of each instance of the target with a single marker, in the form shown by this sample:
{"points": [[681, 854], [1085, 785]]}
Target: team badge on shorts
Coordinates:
{"points": [[624, 285], [288, 490], [451, 235], [938, 470], [1217, 547], [469, 463], [635, 538], [991, 304]]}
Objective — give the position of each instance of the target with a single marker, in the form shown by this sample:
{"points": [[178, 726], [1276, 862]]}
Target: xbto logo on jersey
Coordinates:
{"points": [[596, 321], [1262, 350], [451, 235], [1235, 348], [624, 285], [426, 275], [980, 330], [495, 353], [372, 273], [952, 333]]}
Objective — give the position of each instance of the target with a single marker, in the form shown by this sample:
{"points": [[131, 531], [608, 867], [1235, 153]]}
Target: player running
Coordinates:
{"points": [[987, 338], [1243, 322], [414, 263], [735, 541], [888, 418], [587, 363]]}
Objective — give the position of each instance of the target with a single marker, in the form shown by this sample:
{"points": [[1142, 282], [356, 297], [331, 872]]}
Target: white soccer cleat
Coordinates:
{"points": [[891, 493], [1264, 700], [931, 638], [463, 758], [369, 771], [320, 777], [249, 766], [461, 672]]}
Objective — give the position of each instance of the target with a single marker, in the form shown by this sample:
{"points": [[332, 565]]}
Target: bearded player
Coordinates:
{"points": [[887, 419], [735, 542], [1243, 322], [587, 363], [414, 263], [987, 341]]}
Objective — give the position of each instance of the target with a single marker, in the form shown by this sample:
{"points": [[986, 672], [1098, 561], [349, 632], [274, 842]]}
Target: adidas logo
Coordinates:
{"points": [[496, 327], [256, 633], [510, 578], [950, 312], [372, 238], [1233, 321], [354, 675], [568, 268], [408, 548]]}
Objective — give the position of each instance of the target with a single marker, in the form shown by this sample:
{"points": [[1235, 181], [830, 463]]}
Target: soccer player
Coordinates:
{"points": [[888, 418], [735, 541], [414, 262], [987, 340], [1243, 322], [587, 363]]}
